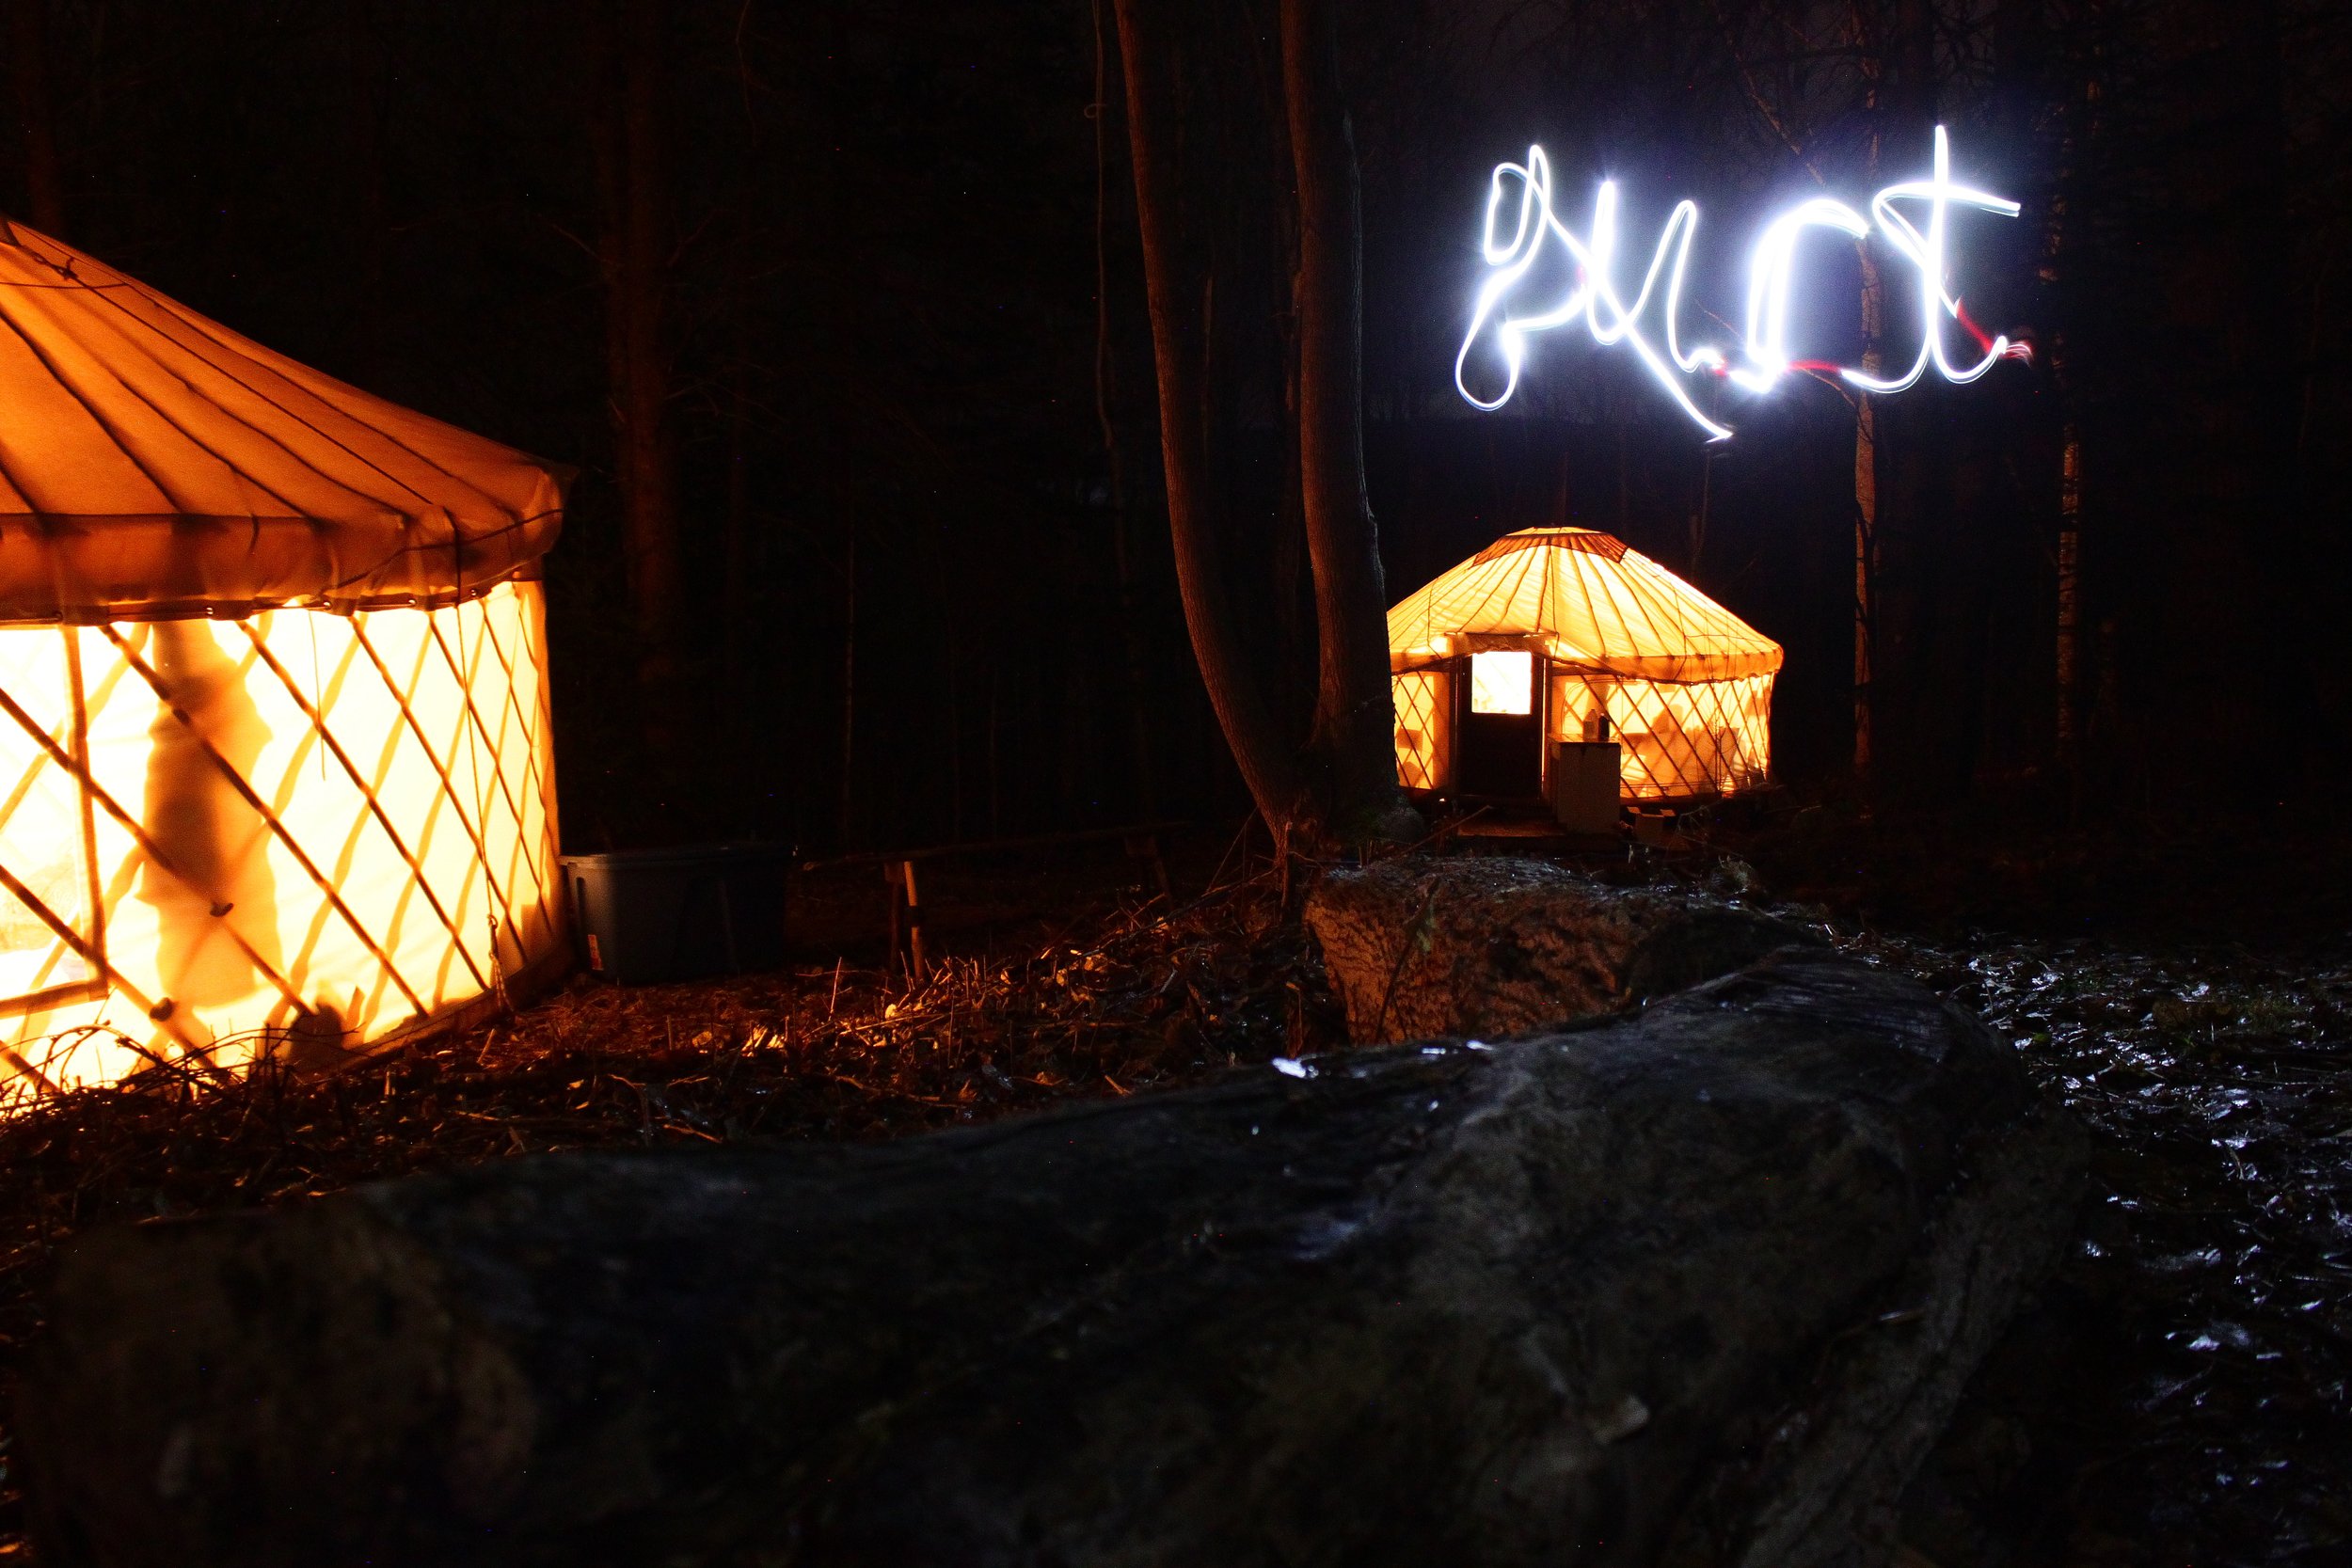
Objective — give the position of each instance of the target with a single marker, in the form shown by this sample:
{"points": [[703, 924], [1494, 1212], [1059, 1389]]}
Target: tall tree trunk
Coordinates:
{"points": [[1139, 716], [29, 50], [632, 172], [1904, 626], [1865, 516], [1895, 49], [1867, 41], [2068, 659], [2057, 233], [1354, 718], [1176, 289]]}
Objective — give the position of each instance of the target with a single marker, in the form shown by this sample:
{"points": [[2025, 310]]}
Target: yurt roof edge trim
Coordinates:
{"points": [[154, 462], [174, 865]]}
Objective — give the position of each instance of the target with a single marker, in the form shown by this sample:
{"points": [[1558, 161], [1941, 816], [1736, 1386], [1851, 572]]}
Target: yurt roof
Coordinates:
{"points": [[1581, 596], [154, 463]]}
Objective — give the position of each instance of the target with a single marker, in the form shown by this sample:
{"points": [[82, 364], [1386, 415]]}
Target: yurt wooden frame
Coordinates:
{"points": [[208, 855], [1685, 684], [523, 932]]}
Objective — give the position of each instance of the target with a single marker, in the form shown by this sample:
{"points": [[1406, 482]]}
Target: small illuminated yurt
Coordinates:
{"points": [[1565, 635], [275, 764]]}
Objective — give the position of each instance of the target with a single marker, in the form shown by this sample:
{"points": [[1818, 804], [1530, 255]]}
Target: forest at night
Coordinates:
{"points": [[1083, 781]]}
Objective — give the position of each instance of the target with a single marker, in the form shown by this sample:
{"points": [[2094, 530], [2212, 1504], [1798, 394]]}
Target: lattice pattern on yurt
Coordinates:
{"points": [[300, 829], [1424, 727], [273, 750], [1685, 684], [1677, 742]]}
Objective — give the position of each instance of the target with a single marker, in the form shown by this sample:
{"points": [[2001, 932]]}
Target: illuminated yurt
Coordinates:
{"points": [[274, 747], [1563, 634]]}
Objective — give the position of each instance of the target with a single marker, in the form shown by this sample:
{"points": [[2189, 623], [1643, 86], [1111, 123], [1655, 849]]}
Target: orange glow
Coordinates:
{"points": [[1686, 686], [1502, 681], [274, 749], [1677, 742], [1424, 728], [302, 827]]}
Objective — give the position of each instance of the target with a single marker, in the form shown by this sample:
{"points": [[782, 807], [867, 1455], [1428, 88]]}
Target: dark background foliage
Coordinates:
{"points": [[928, 601]]}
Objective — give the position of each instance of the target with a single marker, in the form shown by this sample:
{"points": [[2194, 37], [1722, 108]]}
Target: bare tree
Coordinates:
{"points": [[628, 122], [1340, 784], [1865, 510], [1178, 289], [1796, 106], [2058, 224], [1106, 401], [1354, 715]]}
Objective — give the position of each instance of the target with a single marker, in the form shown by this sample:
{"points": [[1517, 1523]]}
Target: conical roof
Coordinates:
{"points": [[1583, 598], [154, 463]]}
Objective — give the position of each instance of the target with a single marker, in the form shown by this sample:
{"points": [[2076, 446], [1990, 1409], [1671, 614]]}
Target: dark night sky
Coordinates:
{"points": [[882, 299]]}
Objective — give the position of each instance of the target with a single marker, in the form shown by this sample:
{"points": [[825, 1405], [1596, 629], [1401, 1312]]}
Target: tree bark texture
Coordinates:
{"points": [[1699, 1286], [1355, 715], [1418, 947], [1176, 288], [629, 127], [1865, 510]]}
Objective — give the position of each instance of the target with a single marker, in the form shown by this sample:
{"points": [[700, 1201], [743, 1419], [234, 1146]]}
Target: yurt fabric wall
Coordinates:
{"points": [[1685, 684], [1424, 727], [295, 830], [275, 774]]}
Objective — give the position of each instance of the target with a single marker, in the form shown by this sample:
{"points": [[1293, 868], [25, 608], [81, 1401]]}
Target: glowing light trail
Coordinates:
{"points": [[1926, 252], [1769, 270], [1522, 192], [1593, 295]]}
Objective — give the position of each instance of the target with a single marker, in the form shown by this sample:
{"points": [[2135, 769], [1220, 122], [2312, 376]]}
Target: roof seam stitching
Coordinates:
{"points": [[192, 319]]}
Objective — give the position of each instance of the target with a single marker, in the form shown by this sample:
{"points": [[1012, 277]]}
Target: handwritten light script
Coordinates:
{"points": [[1522, 232]]}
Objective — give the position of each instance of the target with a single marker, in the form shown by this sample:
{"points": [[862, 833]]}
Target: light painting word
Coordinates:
{"points": [[1521, 226]]}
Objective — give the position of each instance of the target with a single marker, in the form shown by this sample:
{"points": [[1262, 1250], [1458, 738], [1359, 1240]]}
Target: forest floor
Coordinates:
{"points": [[2180, 1394]]}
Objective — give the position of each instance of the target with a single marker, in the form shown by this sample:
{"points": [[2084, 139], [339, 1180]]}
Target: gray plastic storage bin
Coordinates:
{"points": [[649, 916]]}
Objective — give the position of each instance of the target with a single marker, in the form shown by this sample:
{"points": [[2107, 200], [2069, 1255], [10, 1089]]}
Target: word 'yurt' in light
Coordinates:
{"points": [[274, 746], [1563, 634]]}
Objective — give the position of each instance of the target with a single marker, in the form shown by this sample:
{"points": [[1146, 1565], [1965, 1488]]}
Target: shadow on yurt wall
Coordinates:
{"points": [[275, 774]]}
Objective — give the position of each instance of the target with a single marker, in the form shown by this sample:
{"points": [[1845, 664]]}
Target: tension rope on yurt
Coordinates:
{"points": [[1565, 635], [276, 773]]}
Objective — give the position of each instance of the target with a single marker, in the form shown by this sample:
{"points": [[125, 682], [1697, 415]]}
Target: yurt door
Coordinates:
{"points": [[1500, 751]]}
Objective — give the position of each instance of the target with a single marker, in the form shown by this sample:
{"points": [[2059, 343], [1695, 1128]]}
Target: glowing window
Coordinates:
{"points": [[1502, 681]]}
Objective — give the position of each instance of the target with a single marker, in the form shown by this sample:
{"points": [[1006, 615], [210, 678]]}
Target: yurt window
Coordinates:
{"points": [[1424, 728], [1502, 681], [1580, 711]]}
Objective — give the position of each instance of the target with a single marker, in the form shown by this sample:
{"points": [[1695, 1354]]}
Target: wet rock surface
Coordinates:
{"points": [[1423, 947], [2182, 1391], [1700, 1285]]}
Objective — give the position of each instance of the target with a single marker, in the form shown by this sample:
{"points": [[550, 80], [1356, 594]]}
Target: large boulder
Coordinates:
{"points": [[1479, 946], [1694, 1287]]}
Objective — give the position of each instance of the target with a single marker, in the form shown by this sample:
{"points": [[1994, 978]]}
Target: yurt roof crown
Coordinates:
{"points": [[1580, 597]]}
